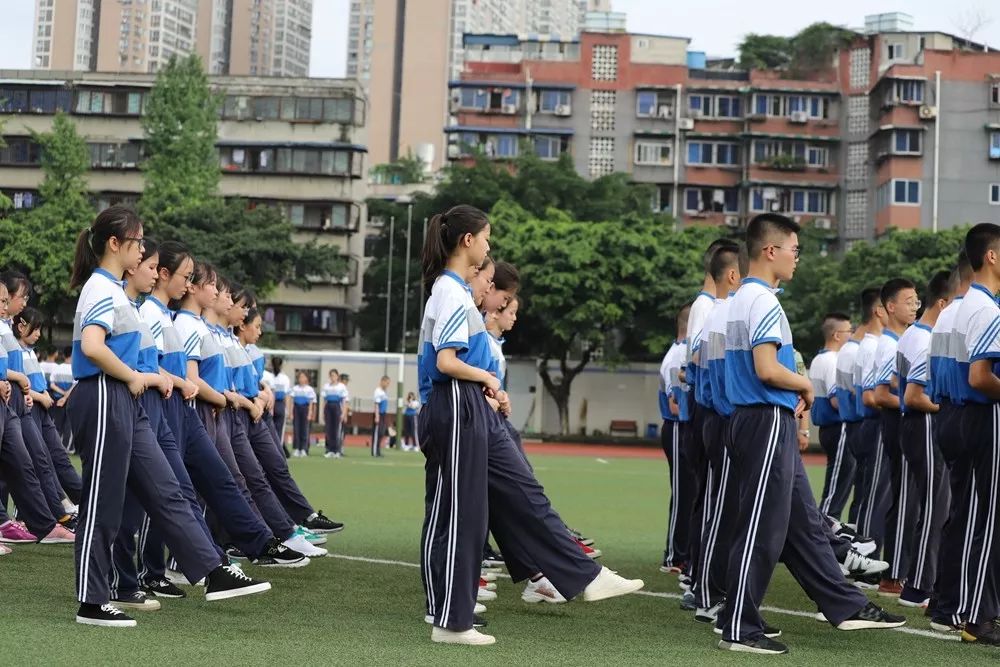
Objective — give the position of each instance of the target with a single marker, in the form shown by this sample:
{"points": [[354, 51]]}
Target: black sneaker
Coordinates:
{"points": [[872, 617], [163, 589], [278, 555], [234, 553], [478, 621], [688, 602], [137, 600], [321, 524], [762, 646], [229, 581], [987, 633], [69, 522], [867, 582], [492, 557], [770, 632], [105, 615]]}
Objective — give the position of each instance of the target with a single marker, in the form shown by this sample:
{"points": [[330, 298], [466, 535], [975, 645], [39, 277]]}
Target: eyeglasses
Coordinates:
{"points": [[189, 278], [797, 250], [138, 240], [913, 303]]}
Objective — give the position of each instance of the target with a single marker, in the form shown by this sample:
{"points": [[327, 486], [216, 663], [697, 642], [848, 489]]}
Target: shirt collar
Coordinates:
{"points": [[982, 288], [107, 274], [185, 311], [890, 333], [158, 303], [704, 293], [774, 290], [921, 325], [454, 276]]}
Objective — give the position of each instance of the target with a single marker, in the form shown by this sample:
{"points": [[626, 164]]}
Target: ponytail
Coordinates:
{"points": [[444, 232], [117, 221], [172, 255], [506, 278]]}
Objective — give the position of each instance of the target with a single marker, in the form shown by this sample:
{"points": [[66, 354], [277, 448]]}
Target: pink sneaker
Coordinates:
{"points": [[59, 535], [13, 533]]}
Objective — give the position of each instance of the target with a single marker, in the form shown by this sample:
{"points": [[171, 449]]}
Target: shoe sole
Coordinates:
{"points": [[914, 605], [624, 589], [56, 540], [705, 619], [486, 596], [670, 570], [238, 592], [848, 626], [866, 587], [945, 629], [534, 598], [326, 531], [152, 605], [168, 596], [490, 586], [488, 576], [887, 594], [318, 542], [302, 562], [743, 648], [865, 572], [83, 620], [482, 640], [5, 540]]}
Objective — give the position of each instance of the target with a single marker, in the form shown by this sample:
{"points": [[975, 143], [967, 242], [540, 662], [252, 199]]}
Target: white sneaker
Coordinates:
{"points": [[301, 544], [486, 595], [608, 584], [329, 455], [178, 579], [856, 564], [820, 617], [488, 576], [479, 609], [470, 637], [541, 591], [708, 614]]}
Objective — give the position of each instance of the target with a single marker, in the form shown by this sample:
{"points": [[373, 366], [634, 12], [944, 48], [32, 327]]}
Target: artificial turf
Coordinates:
{"points": [[339, 611]]}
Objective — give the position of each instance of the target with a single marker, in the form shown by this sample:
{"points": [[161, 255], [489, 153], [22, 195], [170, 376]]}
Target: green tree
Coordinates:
{"points": [[405, 170], [179, 122], [812, 49], [41, 240], [764, 52]]}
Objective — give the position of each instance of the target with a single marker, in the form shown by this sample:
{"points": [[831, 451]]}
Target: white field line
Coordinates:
{"points": [[670, 596]]}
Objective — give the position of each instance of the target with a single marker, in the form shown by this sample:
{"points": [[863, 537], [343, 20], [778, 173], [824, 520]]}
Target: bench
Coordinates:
{"points": [[625, 426]]}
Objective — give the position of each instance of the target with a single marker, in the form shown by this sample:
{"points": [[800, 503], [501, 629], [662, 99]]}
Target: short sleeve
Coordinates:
{"points": [[830, 377], [192, 344], [984, 342], [886, 369], [312, 395], [451, 329], [98, 308], [919, 368], [765, 320]]}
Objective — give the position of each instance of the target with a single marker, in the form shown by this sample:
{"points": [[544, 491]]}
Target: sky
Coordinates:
{"points": [[714, 26]]}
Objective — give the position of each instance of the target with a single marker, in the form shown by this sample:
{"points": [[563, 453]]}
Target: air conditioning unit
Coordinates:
{"points": [[563, 110], [509, 109], [454, 151], [665, 111], [822, 223], [685, 123], [732, 221], [799, 117], [927, 112]]}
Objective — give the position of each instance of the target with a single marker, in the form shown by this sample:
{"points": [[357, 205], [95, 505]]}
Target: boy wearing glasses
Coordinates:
{"points": [[921, 454], [899, 298], [826, 416]]}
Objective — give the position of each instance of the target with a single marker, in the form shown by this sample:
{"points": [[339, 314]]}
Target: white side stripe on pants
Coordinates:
{"points": [[713, 534], [674, 483], [901, 500], [453, 516], [835, 475], [873, 491], [431, 526], [991, 511], [925, 534], [95, 487], [963, 584], [758, 505]]}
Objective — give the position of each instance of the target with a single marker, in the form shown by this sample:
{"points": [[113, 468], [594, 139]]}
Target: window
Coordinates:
{"points": [[653, 153], [550, 100], [319, 216], [729, 107], [307, 320], [896, 51], [700, 152], [906, 91], [506, 145], [906, 141], [548, 148], [287, 160], [816, 156], [905, 192], [995, 194], [711, 200], [645, 103], [20, 151], [699, 105], [266, 108], [707, 153], [994, 145], [995, 94], [661, 199], [814, 106], [115, 156]]}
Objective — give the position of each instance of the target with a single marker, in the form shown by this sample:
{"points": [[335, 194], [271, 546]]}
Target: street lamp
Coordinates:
{"points": [[408, 201]]}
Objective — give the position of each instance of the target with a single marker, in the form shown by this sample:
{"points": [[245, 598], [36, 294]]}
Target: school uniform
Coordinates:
{"points": [[282, 386], [672, 438], [454, 425], [66, 474], [380, 401], [302, 397], [239, 522], [118, 449], [499, 368], [977, 322], [840, 464], [944, 388], [847, 408], [870, 452], [928, 471], [410, 423], [900, 517], [333, 413], [62, 378], [721, 489], [777, 515]]}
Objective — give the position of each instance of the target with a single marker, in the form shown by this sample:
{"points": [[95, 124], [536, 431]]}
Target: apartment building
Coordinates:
{"points": [[235, 37], [852, 150], [298, 144]]}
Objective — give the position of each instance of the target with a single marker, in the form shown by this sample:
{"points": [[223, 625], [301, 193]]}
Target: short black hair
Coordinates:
{"points": [[870, 299], [830, 322], [981, 239], [714, 247], [939, 287], [964, 267], [893, 287], [724, 259], [763, 227]]}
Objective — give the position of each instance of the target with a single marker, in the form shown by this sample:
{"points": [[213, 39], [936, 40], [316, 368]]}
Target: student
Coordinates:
{"points": [[977, 323], [303, 398], [944, 389], [899, 298], [112, 432], [847, 409], [777, 514], [380, 409], [282, 386], [869, 454], [410, 443], [923, 458], [60, 383], [345, 380], [333, 412], [675, 410], [825, 415]]}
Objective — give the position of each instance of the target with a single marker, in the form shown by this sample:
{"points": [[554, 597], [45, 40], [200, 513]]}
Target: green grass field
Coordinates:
{"points": [[341, 611]]}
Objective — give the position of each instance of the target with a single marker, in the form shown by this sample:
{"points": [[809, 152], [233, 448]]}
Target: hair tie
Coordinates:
{"points": [[444, 228]]}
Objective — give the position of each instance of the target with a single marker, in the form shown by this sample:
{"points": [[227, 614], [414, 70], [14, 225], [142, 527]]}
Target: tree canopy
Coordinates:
{"points": [[809, 51]]}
